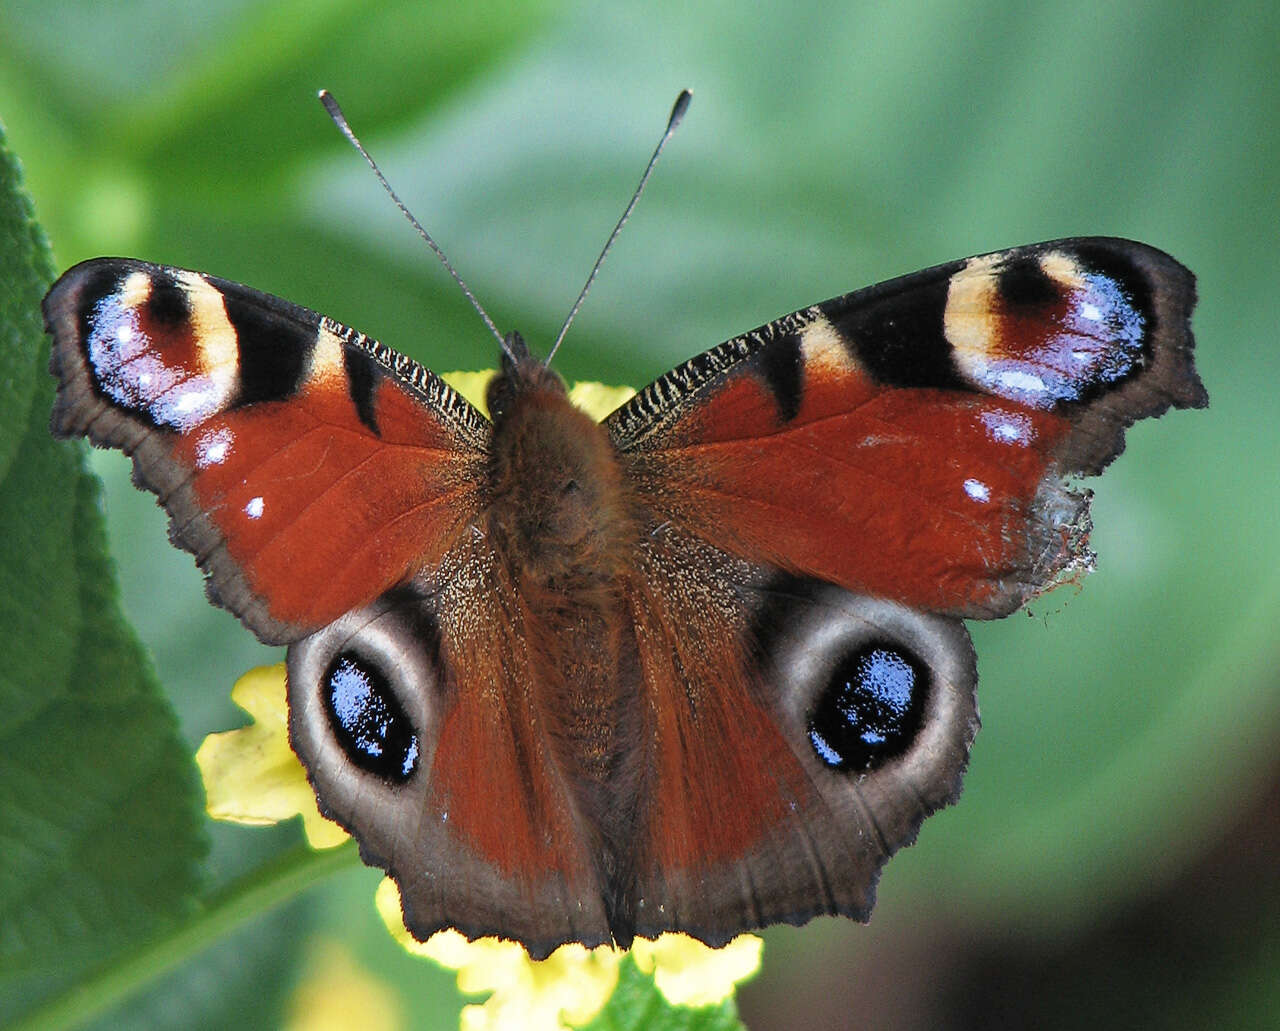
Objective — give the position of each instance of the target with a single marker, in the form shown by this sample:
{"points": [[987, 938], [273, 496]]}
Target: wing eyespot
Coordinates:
{"points": [[364, 703], [871, 708], [870, 686], [365, 718]]}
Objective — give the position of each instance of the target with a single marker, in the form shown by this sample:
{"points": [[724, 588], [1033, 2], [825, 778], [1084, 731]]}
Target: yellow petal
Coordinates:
{"points": [[568, 987], [598, 400], [335, 993], [251, 775], [689, 973], [471, 385]]}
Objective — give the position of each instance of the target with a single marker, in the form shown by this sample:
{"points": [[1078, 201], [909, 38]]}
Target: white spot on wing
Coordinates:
{"points": [[1064, 270], [1020, 382], [822, 347], [971, 320], [189, 401], [212, 448], [1008, 427], [135, 290], [977, 490], [215, 337], [254, 508], [327, 365]]}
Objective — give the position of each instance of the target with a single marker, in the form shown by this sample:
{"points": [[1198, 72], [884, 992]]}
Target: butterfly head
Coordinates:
{"points": [[521, 373]]}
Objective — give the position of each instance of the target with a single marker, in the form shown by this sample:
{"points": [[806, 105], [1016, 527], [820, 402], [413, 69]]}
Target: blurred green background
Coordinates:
{"points": [[1114, 860]]}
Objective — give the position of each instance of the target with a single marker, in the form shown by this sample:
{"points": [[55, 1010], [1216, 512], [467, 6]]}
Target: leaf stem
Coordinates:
{"points": [[257, 892]]}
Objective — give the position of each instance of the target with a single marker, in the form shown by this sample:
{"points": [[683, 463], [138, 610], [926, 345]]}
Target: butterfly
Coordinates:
{"points": [[699, 667]]}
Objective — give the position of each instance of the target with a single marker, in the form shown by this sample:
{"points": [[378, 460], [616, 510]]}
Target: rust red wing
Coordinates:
{"points": [[822, 499], [330, 488], [464, 803], [306, 467], [778, 785], [908, 441]]}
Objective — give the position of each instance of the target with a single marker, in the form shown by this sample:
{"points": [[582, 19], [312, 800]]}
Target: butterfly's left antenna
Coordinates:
{"points": [[677, 112], [340, 120]]}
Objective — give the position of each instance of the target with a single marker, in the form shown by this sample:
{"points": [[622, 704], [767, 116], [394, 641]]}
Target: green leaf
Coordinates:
{"points": [[101, 829], [28, 267], [210, 101], [637, 1005]]}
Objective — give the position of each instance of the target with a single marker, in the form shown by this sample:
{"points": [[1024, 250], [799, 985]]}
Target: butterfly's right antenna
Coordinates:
{"points": [[340, 120], [677, 112]]}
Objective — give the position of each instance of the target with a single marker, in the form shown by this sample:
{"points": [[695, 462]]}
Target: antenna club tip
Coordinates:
{"points": [[331, 105], [679, 108]]}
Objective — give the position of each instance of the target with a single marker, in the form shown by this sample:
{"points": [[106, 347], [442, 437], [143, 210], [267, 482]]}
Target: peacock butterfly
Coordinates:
{"points": [[698, 667]]}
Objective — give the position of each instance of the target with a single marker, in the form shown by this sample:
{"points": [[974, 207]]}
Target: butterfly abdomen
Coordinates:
{"points": [[559, 519]]}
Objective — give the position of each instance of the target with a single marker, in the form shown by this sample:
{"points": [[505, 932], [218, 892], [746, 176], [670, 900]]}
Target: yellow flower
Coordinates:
{"points": [[336, 993], [571, 985], [471, 385], [595, 399], [689, 973], [566, 988], [251, 775]]}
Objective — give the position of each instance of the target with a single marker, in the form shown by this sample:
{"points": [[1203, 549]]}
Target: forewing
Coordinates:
{"points": [[307, 467], [908, 441]]}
